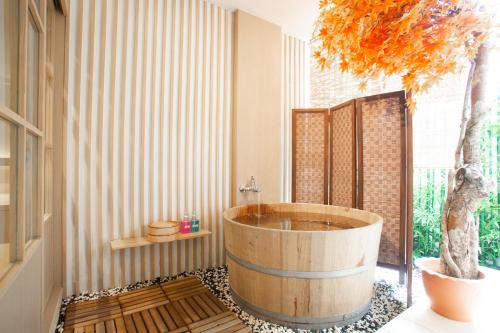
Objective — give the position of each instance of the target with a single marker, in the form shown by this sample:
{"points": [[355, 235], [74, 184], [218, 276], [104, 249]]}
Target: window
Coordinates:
{"points": [[21, 146], [9, 21], [8, 144]]}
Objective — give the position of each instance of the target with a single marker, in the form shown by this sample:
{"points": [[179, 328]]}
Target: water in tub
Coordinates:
{"points": [[300, 221]]}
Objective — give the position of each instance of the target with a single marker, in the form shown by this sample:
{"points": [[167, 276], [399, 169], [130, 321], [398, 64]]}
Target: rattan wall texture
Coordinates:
{"points": [[310, 155], [382, 168], [343, 155]]}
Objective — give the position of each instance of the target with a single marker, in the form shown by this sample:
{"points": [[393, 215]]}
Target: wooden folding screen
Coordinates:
{"points": [[310, 155], [382, 176], [369, 165], [343, 155]]}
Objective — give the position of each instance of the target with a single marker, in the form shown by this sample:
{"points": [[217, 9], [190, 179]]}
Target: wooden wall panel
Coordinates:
{"points": [[257, 107], [148, 135]]}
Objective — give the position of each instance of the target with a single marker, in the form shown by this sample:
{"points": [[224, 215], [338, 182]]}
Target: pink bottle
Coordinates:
{"points": [[185, 227]]}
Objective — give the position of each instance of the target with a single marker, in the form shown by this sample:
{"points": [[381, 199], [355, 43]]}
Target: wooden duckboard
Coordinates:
{"points": [[183, 305]]}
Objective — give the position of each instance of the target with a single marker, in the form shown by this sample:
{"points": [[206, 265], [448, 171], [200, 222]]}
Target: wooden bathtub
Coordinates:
{"points": [[302, 279]]}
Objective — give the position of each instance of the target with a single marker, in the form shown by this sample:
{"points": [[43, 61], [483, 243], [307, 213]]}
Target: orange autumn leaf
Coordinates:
{"points": [[344, 66], [323, 32], [362, 85], [419, 40]]}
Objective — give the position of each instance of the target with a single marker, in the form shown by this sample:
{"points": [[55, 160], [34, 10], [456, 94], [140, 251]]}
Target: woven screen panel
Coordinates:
{"points": [[310, 155], [381, 148], [342, 159]]}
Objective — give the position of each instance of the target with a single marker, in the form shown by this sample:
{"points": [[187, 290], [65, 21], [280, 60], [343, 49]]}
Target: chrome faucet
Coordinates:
{"points": [[251, 187]]}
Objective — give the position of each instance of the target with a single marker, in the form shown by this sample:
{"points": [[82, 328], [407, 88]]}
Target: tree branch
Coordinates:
{"points": [[465, 116], [445, 252], [480, 107], [448, 260]]}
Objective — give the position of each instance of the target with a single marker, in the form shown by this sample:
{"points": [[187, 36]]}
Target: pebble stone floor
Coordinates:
{"points": [[388, 301]]}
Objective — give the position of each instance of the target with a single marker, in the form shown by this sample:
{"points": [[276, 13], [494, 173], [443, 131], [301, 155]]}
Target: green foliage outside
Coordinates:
{"points": [[428, 200]]}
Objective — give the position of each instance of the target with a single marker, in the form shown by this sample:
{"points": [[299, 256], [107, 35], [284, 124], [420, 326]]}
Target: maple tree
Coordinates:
{"points": [[421, 41]]}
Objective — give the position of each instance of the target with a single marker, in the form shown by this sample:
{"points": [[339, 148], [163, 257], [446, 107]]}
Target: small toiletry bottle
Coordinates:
{"points": [[185, 224], [195, 223]]}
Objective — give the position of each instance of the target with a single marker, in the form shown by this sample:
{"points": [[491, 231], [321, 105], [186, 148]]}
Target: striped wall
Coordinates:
{"points": [[148, 135], [294, 95]]}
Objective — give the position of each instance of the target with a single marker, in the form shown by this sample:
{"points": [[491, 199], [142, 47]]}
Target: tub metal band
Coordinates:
{"points": [[301, 322], [298, 274]]}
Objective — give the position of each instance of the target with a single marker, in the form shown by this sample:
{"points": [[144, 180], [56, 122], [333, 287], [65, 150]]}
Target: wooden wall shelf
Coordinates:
{"points": [[120, 244]]}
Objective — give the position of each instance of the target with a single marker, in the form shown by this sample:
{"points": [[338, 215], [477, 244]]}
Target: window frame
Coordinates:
{"points": [[22, 128]]}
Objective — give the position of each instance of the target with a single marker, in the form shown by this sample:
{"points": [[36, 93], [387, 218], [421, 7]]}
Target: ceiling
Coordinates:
{"points": [[296, 17]]}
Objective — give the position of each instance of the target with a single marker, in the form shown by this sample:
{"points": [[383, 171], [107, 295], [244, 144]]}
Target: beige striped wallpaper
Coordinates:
{"points": [[295, 71], [148, 135]]}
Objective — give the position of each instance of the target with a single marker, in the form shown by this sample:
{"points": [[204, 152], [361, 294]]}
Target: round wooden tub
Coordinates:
{"points": [[303, 279]]}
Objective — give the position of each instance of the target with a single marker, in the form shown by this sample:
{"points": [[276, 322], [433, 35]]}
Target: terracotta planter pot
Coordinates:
{"points": [[457, 299]]}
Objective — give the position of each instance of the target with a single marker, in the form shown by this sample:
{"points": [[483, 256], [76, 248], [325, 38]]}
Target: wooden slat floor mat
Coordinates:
{"points": [[183, 305]]}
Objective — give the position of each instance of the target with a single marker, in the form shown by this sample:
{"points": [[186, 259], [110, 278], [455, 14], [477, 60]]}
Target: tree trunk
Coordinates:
{"points": [[467, 185]]}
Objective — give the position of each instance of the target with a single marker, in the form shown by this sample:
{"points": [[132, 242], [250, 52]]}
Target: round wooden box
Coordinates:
{"points": [[162, 231]]}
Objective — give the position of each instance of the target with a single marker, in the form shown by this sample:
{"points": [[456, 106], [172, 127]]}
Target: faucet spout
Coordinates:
{"points": [[250, 187], [253, 185]]}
